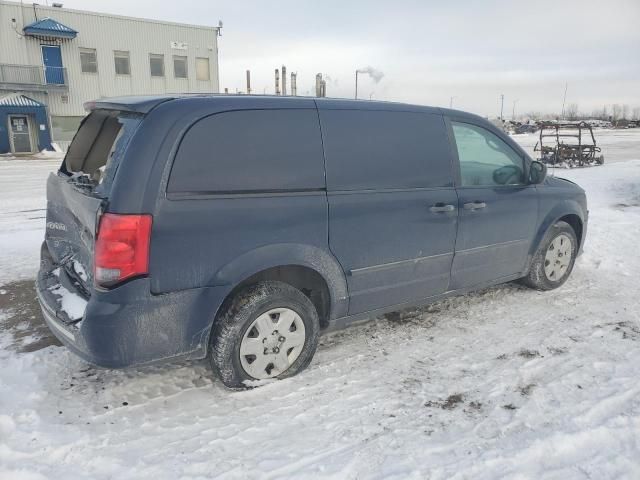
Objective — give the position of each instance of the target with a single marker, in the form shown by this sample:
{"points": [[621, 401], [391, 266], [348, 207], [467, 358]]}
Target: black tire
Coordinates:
{"points": [[537, 278], [239, 313]]}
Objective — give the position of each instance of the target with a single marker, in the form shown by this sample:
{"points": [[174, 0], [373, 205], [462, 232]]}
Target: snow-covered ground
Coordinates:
{"points": [[503, 383]]}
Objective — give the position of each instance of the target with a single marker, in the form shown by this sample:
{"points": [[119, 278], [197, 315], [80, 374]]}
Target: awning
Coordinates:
{"points": [[18, 100], [49, 28]]}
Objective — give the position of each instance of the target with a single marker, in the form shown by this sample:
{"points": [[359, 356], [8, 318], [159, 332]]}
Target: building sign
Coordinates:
{"points": [[179, 45]]}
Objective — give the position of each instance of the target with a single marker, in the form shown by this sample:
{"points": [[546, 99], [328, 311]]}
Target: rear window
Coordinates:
{"points": [[98, 146], [370, 149], [250, 151]]}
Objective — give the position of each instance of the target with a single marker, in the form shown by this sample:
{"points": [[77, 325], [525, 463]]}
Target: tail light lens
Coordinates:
{"points": [[122, 248]]}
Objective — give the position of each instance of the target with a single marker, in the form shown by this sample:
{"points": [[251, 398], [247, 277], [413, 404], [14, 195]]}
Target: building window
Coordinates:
{"points": [[179, 66], [88, 60], [122, 62], [202, 69], [156, 65]]}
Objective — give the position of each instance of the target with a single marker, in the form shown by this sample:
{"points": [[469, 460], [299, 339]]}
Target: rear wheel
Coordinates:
{"points": [[553, 262], [267, 331]]}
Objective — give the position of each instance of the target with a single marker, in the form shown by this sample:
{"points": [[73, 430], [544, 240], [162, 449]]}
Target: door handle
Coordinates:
{"points": [[442, 208], [474, 205]]}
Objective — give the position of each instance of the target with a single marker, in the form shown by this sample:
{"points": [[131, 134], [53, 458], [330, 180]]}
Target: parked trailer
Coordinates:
{"points": [[569, 144]]}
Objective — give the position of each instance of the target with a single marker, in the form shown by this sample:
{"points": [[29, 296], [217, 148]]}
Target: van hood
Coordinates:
{"points": [[560, 182]]}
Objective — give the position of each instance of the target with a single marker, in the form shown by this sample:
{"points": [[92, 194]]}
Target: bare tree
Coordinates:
{"points": [[636, 113], [625, 111], [616, 111], [533, 115], [572, 111]]}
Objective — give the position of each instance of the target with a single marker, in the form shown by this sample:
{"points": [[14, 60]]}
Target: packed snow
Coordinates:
{"points": [[503, 383], [72, 304]]}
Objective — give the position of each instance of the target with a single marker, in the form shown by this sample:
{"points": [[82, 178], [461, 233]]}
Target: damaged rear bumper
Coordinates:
{"points": [[129, 326]]}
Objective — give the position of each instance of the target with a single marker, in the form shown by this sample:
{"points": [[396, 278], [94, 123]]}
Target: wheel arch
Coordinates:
{"points": [[308, 268], [569, 212], [574, 222]]}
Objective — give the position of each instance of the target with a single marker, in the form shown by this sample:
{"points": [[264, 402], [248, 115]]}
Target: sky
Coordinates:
{"points": [[461, 52]]}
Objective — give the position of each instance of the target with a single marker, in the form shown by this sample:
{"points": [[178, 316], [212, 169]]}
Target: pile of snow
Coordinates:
{"points": [[507, 382], [72, 304]]}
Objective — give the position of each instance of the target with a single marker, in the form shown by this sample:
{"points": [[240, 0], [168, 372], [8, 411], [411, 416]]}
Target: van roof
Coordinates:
{"points": [[145, 103]]}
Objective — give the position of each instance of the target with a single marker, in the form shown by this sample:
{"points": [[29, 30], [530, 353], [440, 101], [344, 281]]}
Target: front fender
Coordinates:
{"points": [[551, 216], [270, 256]]}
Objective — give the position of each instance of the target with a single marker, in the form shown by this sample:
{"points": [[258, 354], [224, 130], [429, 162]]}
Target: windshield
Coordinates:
{"points": [[97, 148]]}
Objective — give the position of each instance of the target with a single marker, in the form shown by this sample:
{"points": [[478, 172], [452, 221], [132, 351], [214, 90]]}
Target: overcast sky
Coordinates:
{"points": [[428, 51]]}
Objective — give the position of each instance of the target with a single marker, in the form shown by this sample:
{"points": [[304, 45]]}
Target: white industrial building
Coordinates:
{"points": [[58, 59]]}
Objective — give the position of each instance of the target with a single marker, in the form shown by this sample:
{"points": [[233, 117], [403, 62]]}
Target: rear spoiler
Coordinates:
{"points": [[127, 104]]}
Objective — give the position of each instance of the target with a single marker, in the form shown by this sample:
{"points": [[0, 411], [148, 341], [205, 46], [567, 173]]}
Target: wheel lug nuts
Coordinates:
{"points": [[281, 339], [276, 350]]}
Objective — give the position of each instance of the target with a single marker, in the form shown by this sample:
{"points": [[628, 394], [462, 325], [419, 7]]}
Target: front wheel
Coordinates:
{"points": [[266, 331], [553, 262]]}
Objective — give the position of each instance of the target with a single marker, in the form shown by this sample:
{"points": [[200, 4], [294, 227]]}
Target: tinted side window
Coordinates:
{"points": [[250, 150], [366, 149], [485, 159]]}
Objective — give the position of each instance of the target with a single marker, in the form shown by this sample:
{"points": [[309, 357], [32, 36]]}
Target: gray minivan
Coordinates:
{"points": [[239, 228]]}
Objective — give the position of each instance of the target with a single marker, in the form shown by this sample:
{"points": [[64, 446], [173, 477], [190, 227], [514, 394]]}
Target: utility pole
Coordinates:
{"points": [[451, 102], [248, 82], [501, 105], [566, 85], [513, 112]]}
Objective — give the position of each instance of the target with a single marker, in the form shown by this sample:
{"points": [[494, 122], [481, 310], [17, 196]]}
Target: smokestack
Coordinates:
{"points": [[294, 86], [284, 80], [323, 88], [226, 90], [248, 82], [318, 85], [277, 82]]}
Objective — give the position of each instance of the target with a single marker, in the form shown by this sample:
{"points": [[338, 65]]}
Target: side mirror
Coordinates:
{"points": [[537, 172]]}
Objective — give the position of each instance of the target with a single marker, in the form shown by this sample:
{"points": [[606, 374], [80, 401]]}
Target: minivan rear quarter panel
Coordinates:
{"points": [[225, 198]]}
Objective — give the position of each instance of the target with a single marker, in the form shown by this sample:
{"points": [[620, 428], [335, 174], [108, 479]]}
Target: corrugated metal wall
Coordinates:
{"points": [[106, 33]]}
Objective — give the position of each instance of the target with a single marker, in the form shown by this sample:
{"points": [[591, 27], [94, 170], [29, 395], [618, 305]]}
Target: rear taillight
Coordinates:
{"points": [[122, 248]]}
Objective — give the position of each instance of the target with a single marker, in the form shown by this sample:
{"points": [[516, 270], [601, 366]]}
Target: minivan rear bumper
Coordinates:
{"points": [[129, 326]]}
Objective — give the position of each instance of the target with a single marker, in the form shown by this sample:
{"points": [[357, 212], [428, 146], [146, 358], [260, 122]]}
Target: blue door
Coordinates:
{"points": [[498, 209], [52, 61]]}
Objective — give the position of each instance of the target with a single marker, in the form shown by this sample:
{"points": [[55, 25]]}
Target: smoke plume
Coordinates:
{"points": [[376, 75]]}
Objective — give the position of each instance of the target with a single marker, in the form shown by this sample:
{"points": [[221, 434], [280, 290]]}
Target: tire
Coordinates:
{"points": [[245, 351], [553, 259]]}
